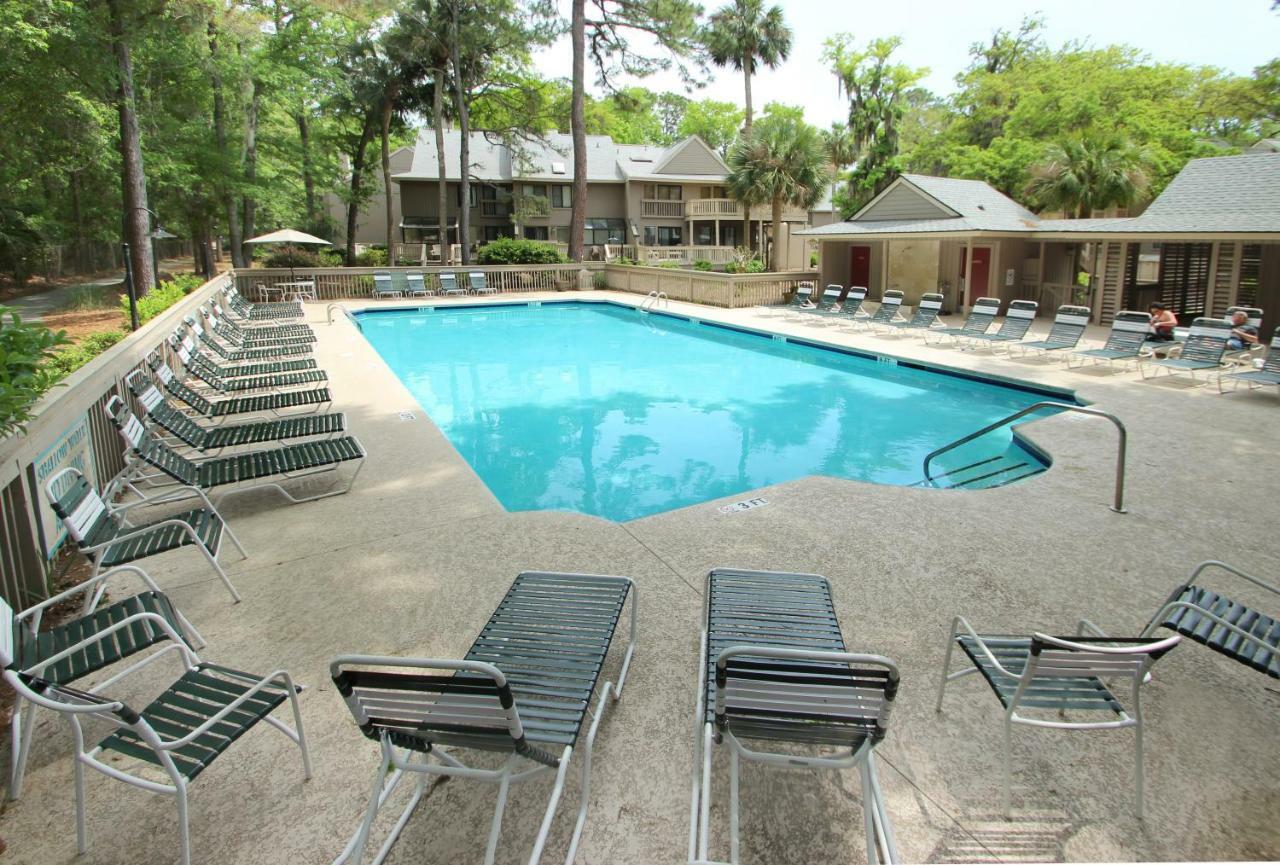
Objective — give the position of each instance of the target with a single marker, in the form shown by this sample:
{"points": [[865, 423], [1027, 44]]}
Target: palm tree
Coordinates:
{"points": [[842, 150], [781, 161], [744, 35]]}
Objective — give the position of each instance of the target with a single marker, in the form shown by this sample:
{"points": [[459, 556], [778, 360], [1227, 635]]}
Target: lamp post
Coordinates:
{"points": [[157, 232]]}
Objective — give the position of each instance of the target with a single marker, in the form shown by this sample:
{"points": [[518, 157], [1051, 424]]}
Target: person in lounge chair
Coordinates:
{"points": [[1243, 334], [1163, 321]]}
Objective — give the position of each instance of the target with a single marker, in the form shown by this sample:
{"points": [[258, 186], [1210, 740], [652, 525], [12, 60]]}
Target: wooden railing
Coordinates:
{"points": [[714, 207], [730, 291], [345, 283], [661, 207], [683, 254]]}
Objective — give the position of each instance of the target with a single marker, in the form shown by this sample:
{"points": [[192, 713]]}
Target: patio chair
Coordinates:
{"points": [[1017, 321], [109, 536], [261, 311], [415, 286], [197, 367], [258, 329], [1253, 316], [799, 300], [383, 287], [1128, 332], [180, 733], [256, 337], [850, 310], [1226, 626], [1268, 374], [226, 369], [1042, 674], [449, 283], [828, 305], [890, 307], [222, 305], [480, 283], [773, 668], [205, 439], [1069, 324], [1205, 346], [233, 354], [282, 403], [48, 652], [976, 323], [522, 690], [925, 317], [236, 473]]}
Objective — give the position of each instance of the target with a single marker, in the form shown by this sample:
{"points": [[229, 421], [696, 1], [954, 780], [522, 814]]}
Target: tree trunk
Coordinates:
{"points": [[464, 130], [137, 221], [250, 168], [746, 131], [776, 240], [442, 185], [388, 109], [578, 130], [308, 170], [220, 138], [357, 185]]}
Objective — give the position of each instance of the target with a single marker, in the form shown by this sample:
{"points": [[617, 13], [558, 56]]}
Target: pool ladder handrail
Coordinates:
{"points": [[328, 314], [653, 298], [1121, 444]]}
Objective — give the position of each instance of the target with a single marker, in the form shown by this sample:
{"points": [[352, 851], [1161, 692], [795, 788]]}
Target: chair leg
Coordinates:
{"points": [[371, 811], [584, 801], [22, 732], [184, 832], [695, 798], [82, 831], [1139, 779], [869, 817], [1008, 766], [946, 667], [552, 805], [704, 816], [495, 827], [733, 804], [217, 568]]}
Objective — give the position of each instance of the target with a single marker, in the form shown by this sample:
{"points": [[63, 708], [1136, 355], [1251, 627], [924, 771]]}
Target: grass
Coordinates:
{"points": [[87, 298]]}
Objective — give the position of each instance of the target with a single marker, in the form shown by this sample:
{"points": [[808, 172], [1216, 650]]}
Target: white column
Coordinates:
{"points": [[968, 273]]}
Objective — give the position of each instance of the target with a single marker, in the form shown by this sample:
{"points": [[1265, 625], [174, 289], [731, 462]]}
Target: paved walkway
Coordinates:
{"points": [[415, 558], [33, 307]]}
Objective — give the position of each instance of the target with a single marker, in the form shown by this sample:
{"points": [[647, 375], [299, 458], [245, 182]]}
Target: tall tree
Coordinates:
{"points": [[133, 177], [841, 150], [716, 123], [781, 161]]}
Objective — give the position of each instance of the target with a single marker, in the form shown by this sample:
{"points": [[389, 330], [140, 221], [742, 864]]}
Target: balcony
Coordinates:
{"points": [[662, 207], [532, 207], [728, 208], [495, 208]]}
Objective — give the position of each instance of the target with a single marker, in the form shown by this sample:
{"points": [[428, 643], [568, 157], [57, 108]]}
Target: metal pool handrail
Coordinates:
{"points": [[1121, 446], [652, 300]]}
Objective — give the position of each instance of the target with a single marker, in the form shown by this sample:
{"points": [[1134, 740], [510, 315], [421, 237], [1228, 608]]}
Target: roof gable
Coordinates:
{"points": [[691, 156], [903, 200]]}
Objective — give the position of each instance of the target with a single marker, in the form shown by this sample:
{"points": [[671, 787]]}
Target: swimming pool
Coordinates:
{"points": [[600, 409]]}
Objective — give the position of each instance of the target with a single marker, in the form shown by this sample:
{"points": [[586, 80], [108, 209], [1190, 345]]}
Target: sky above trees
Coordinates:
{"points": [[1234, 35]]}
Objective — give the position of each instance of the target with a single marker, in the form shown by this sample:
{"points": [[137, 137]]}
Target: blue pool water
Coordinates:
{"points": [[599, 409]]}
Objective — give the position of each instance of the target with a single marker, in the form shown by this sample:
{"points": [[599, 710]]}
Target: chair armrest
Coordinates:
{"points": [[38, 609], [280, 677], [960, 622], [1214, 563]]}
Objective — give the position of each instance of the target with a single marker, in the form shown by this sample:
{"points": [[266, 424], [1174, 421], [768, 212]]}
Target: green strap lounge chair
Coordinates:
{"points": [[258, 329], [202, 370], [847, 311], [800, 299], [449, 283], [107, 539], [981, 315], [1128, 332], [1203, 350], [268, 312], [1068, 327], [480, 283], [1228, 627], [258, 336], [1253, 316], [523, 690], [73, 648], [1269, 374], [1039, 678], [889, 310], [1017, 321], [415, 285], [224, 369], [284, 402], [777, 687], [239, 472], [384, 287], [179, 734], [232, 354], [828, 306], [213, 439], [924, 318]]}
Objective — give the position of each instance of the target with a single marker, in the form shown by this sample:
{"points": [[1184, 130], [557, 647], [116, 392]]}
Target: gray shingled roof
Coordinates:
{"points": [[975, 201]]}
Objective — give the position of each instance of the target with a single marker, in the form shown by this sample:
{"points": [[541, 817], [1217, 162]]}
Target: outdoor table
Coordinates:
{"points": [[302, 289]]}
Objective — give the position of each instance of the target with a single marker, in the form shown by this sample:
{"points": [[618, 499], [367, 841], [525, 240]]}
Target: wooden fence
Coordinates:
{"points": [[345, 283], [730, 291]]}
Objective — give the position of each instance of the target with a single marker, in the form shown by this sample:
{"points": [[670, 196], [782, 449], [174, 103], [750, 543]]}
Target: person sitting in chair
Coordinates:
{"points": [[1243, 334], [1163, 322]]}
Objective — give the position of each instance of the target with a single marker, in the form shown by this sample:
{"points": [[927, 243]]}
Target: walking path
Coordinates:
{"points": [[33, 307]]}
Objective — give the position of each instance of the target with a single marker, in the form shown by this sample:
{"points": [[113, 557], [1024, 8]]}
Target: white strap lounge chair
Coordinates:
{"points": [[179, 734], [828, 305], [1128, 332], [925, 317], [1203, 350], [1038, 678], [523, 690], [777, 687], [1017, 321], [1068, 327], [890, 310], [981, 315]]}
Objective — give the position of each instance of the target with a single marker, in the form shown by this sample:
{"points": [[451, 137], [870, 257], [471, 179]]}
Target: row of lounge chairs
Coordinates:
{"points": [[230, 363], [415, 285], [776, 686]]}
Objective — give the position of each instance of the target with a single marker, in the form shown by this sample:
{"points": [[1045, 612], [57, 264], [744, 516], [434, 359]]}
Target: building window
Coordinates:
{"points": [[598, 232], [539, 189], [562, 196], [536, 232], [713, 192], [662, 235], [493, 232], [662, 192], [704, 234]]}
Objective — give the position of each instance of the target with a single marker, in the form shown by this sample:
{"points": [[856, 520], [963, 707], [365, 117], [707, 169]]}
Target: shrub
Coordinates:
{"points": [[25, 351], [670, 265], [751, 265], [755, 265], [291, 256], [703, 264], [599, 280], [163, 296], [515, 250], [330, 257], [373, 256], [813, 259], [71, 359], [624, 261]]}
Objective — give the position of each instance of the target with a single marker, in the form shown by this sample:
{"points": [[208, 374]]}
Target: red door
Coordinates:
{"points": [[981, 273], [860, 266]]}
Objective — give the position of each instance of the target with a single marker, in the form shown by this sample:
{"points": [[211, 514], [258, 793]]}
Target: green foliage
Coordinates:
{"points": [[703, 264], [71, 359], [599, 280], [160, 298], [291, 256], [25, 350], [813, 259], [668, 265], [89, 297], [744, 35], [512, 250], [1089, 173], [749, 265], [716, 123], [373, 256]]}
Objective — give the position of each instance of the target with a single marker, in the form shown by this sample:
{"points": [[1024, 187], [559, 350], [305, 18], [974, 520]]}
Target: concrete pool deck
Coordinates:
{"points": [[413, 560]]}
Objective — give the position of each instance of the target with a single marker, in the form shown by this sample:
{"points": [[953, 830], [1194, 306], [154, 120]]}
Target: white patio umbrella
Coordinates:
{"points": [[287, 236]]}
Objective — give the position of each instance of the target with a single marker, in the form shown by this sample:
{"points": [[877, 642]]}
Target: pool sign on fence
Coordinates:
{"points": [[71, 449]]}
